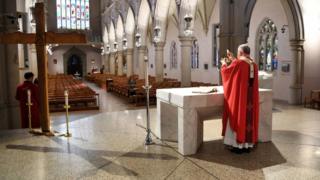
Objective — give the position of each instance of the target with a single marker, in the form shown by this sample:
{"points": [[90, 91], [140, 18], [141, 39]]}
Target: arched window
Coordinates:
{"points": [[73, 14], [173, 55], [195, 55], [267, 46]]}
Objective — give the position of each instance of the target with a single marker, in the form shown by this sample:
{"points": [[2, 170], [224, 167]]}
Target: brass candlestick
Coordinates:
{"points": [[29, 104], [67, 107]]}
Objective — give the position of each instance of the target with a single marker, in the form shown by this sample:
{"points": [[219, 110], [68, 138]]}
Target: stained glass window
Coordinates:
{"points": [[73, 14], [195, 55], [173, 55], [267, 41]]}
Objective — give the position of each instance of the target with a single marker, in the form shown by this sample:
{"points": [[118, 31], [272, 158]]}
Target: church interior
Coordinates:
{"points": [[114, 79]]}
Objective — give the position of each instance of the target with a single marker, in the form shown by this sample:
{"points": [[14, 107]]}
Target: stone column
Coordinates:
{"points": [[141, 53], [186, 48], [12, 69], [295, 95], [159, 61], [120, 63], [112, 63], [11, 62], [233, 25], [226, 27], [129, 55], [106, 63]]}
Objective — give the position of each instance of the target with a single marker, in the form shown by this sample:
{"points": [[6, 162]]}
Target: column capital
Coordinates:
{"points": [[112, 53], [128, 51], [297, 41], [186, 40], [142, 48], [222, 35], [120, 52], [297, 44], [159, 45]]}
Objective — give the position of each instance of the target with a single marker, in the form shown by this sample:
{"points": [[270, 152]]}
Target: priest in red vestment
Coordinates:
{"points": [[22, 97], [241, 101]]}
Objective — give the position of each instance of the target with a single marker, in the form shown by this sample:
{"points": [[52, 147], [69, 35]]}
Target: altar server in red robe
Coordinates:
{"points": [[22, 97], [241, 101]]}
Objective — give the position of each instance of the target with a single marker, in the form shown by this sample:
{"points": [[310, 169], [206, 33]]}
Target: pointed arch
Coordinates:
{"points": [[295, 19], [205, 11], [187, 7], [164, 11], [143, 21], [129, 27], [112, 35], [119, 32], [105, 36]]}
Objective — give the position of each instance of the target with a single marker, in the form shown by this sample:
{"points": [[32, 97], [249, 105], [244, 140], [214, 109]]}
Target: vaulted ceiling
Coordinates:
{"points": [[161, 9]]}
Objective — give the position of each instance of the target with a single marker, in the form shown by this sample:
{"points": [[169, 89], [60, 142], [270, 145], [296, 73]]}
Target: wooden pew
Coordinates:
{"points": [[81, 97], [313, 100]]}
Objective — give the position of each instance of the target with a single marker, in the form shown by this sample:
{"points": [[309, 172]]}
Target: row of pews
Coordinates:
{"points": [[81, 97], [99, 79], [132, 87], [313, 101]]}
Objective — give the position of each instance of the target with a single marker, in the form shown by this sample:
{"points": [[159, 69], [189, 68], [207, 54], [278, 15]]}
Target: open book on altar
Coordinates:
{"points": [[205, 90]]}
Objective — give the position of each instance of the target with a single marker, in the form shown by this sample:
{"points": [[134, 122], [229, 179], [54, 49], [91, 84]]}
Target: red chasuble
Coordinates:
{"points": [[22, 96], [241, 100]]}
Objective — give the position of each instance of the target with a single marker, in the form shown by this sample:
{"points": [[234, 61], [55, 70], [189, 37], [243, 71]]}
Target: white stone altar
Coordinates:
{"points": [[265, 80], [181, 111]]}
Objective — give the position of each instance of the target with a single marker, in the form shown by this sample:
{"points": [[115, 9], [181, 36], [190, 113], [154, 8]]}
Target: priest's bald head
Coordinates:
{"points": [[243, 50]]}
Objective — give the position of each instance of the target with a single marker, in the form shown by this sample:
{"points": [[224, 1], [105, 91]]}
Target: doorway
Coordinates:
{"points": [[75, 65], [75, 60]]}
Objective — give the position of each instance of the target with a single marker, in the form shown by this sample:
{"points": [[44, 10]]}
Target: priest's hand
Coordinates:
{"points": [[223, 62], [230, 55]]}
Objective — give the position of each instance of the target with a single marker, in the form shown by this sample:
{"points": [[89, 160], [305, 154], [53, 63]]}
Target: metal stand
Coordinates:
{"points": [[147, 87], [148, 140], [67, 107]]}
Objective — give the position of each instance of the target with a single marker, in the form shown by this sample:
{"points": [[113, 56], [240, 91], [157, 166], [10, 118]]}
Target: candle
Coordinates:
{"points": [[66, 95], [29, 96], [147, 71]]}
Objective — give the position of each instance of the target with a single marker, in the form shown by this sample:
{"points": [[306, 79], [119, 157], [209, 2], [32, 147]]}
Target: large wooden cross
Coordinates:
{"points": [[41, 38]]}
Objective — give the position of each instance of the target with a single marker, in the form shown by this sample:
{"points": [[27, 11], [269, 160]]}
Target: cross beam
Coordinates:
{"points": [[41, 38], [50, 38]]}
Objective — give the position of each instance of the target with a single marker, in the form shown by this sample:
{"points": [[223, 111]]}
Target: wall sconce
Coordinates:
{"points": [[49, 49], [102, 51], [108, 49], [138, 40], [157, 34], [187, 28], [283, 29], [32, 15], [115, 46], [125, 43]]}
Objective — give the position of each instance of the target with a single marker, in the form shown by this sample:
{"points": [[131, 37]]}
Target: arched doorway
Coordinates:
{"points": [[75, 60], [74, 65]]}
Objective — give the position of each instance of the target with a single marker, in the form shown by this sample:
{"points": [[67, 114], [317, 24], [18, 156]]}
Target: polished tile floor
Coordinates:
{"points": [[109, 144]]}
